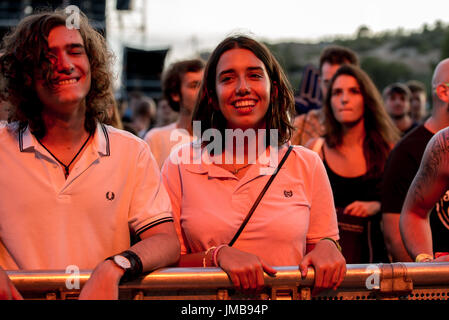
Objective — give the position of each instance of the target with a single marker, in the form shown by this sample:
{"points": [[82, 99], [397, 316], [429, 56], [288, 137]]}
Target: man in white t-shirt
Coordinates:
{"points": [[180, 86], [72, 189]]}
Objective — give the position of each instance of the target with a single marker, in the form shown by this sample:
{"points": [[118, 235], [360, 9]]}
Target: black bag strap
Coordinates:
{"points": [[262, 193]]}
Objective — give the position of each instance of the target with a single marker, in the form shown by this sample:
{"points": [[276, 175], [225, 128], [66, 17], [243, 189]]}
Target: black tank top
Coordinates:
{"points": [[347, 190], [360, 238]]}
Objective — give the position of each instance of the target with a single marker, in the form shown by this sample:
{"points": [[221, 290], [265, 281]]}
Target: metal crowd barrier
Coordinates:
{"points": [[403, 281]]}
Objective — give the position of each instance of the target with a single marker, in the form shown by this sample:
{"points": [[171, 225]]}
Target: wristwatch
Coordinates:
{"points": [[122, 262], [130, 262]]}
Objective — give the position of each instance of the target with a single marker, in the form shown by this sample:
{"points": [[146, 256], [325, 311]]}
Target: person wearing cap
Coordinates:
{"points": [[418, 101], [402, 165], [397, 102]]}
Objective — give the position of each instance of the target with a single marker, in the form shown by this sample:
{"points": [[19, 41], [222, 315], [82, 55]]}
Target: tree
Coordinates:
{"points": [[384, 72], [445, 46]]}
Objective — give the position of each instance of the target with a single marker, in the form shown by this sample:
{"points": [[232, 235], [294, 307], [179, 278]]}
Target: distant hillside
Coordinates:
{"points": [[387, 57]]}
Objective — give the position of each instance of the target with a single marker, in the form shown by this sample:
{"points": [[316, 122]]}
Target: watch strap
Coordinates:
{"points": [[136, 265]]}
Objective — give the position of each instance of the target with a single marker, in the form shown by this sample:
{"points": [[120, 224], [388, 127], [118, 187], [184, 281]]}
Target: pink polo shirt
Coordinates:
{"points": [[209, 204], [49, 222], [165, 139]]}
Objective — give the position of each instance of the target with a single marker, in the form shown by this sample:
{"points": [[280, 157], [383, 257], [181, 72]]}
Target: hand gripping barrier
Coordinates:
{"points": [[403, 281]]}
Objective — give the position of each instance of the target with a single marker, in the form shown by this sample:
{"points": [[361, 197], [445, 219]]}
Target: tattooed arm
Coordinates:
{"points": [[430, 183]]}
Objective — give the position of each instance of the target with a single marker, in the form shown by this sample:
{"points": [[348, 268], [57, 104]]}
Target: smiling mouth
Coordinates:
{"points": [[244, 103], [66, 81]]}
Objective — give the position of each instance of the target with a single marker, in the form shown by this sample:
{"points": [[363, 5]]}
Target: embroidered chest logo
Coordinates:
{"points": [[110, 195], [288, 193]]}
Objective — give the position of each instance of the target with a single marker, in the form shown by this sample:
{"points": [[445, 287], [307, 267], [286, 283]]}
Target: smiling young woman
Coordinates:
{"points": [[244, 89]]}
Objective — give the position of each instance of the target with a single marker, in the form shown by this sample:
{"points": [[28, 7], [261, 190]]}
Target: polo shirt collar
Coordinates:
{"points": [[207, 166], [27, 140], [100, 141]]}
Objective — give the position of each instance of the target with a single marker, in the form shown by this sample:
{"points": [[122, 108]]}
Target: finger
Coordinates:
{"points": [[328, 277], [252, 279], [267, 268], [244, 281], [304, 265], [363, 212], [348, 209], [335, 280], [260, 280], [355, 212], [341, 276], [235, 280], [318, 284]]}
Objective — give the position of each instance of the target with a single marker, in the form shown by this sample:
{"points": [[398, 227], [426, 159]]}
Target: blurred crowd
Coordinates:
{"points": [[364, 180]]}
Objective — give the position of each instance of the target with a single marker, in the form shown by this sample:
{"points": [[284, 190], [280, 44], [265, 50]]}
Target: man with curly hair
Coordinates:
{"points": [[70, 194]]}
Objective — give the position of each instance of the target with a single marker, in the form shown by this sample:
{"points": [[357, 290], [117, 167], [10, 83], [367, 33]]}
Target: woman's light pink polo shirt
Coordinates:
{"points": [[209, 204]]}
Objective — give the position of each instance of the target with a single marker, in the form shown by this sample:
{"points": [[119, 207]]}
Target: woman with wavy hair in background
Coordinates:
{"points": [[354, 150]]}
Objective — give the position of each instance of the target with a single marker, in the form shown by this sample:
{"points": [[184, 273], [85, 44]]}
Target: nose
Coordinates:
{"points": [[344, 97], [64, 64], [242, 87]]}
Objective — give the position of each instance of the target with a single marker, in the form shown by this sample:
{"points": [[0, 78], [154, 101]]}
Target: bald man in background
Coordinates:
{"points": [[401, 167], [430, 184]]}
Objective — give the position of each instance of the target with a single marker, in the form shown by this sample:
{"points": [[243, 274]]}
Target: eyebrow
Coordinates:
{"points": [[69, 46], [340, 88], [232, 70], [75, 45]]}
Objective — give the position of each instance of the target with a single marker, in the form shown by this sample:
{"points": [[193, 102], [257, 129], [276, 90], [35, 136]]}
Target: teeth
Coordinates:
{"points": [[70, 81], [244, 103]]}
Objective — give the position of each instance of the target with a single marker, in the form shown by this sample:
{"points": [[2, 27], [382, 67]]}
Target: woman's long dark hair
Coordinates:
{"points": [[280, 111], [380, 132]]}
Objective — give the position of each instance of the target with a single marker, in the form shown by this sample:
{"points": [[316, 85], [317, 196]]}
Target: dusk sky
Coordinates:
{"points": [[187, 27], [277, 19], [206, 22]]}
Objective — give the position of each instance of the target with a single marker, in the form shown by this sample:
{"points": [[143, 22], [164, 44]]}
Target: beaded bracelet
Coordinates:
{"points": [[205, 256], [216, 253]]}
